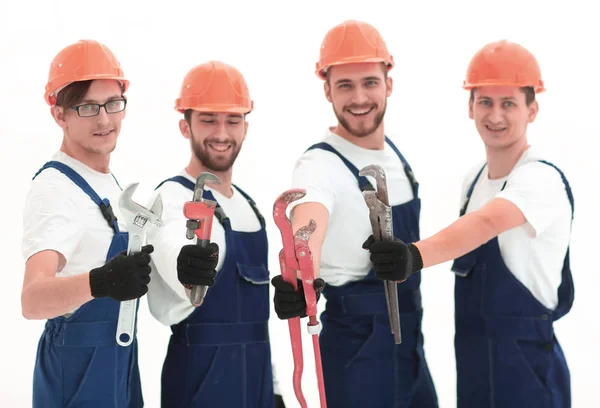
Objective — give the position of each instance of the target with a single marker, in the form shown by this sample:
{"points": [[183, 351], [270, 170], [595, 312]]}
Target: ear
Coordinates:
{"points": [[470, 108], [184, 128], [533, 111], [390, 85], [327, 89], [58, 113]]}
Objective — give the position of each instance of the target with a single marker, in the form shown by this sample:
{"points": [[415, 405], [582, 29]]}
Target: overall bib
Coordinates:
{"points": [[78, 362], [362, 366], [220, 355], [507, 355]]}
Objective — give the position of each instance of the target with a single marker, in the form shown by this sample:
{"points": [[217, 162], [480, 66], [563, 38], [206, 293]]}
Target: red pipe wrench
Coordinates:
{"points": [[296, 256], [199, 213]]}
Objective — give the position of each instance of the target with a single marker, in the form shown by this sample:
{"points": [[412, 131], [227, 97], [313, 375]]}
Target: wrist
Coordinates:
{"points": [[417, 260], [98, 283]]}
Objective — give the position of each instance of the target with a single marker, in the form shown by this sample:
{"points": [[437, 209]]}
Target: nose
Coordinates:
{"points": [[496, 115], [102, 117], [360, 96], [221, 130]]}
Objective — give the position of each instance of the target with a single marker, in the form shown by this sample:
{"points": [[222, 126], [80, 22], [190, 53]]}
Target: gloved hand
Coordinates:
{"points": [[197, 265], [393, 260], [124, 277], [289, 302]]}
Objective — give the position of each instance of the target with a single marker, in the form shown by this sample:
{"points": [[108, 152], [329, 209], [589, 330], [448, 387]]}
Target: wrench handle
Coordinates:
{"points": [[128, 308], [197, 292], [126, 322]]}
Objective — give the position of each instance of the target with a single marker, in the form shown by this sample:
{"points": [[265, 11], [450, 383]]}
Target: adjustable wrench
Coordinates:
{"points": [[138, 219], [380, 215], [295, 256], [199, 213]]}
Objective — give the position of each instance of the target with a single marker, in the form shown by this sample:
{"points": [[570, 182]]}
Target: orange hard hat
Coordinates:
{"points": [[349, 42], [503, 63], [82, 61], [214, 87]]}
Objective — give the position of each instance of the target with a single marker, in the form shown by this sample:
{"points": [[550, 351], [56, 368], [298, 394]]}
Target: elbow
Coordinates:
{"points": [[487, 227], [28, 308]]}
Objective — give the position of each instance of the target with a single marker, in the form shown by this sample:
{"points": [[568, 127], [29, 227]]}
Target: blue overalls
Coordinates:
{"points": [[78, 362], [362, 365], [220, 355], [506, 352]]}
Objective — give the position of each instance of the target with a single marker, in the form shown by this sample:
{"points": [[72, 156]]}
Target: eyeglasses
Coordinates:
{"points": [[92, 109]]}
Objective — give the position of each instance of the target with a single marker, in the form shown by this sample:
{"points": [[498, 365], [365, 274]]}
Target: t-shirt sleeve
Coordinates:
{"points": [[309, 174], [170, 237], [51, 219], [539, 192]]}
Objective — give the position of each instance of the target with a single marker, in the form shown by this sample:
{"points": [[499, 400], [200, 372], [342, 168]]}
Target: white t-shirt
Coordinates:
{"points": [[535, 251], [328, 181], [59, 216], [167, 299]]}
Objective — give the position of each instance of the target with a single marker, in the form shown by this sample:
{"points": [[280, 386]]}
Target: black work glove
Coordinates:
{"points": [[279, 401], [393, 260], [124, 277], [197, 265], [289, 302]]}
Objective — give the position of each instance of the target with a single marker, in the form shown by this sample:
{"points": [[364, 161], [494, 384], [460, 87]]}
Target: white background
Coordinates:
{"points": [[276, 45]]}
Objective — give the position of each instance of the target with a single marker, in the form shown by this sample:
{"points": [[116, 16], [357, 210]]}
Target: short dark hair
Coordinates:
{"points": [[527, 90], [73, 94]]}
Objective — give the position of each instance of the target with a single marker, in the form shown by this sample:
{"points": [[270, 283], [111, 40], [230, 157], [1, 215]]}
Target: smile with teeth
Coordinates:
{"points": [[220, 147], [105, 133], [360, 112], [495, 128]]}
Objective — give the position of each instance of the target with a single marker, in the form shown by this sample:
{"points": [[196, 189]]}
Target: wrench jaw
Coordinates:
{"points": [[285, 225], [305, 262], [138, 220], [378, 174]]}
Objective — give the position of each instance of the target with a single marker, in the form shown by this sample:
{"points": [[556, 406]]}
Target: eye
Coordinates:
{"points": [[371, 83], [485, 102], [509, 104], [208, 121], [344, 86], [87, 108]]}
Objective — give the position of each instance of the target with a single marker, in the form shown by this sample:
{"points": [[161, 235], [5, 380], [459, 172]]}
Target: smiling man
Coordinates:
{"points": [[219, 352], [76, 270], [510, 245], [362, 365]]}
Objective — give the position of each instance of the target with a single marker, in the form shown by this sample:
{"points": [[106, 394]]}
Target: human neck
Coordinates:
{"points": [[195, 167], [95, 161], [374, 141], [501, 161]]}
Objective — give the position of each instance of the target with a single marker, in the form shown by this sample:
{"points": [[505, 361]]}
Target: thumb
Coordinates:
{"points": [[367, 244]]}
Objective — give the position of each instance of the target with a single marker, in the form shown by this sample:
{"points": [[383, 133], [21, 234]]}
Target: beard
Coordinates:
{"points": [[363, 129], [215, 162]]}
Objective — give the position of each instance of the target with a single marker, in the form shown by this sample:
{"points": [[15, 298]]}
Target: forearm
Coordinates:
{"points": [[466, 234], [48, 297]]}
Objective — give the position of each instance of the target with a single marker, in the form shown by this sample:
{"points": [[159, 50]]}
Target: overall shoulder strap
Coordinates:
{"points": [[104, 204]]}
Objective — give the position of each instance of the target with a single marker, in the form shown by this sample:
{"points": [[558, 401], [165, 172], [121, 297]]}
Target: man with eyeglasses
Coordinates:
{"points": [[76, 270]]}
